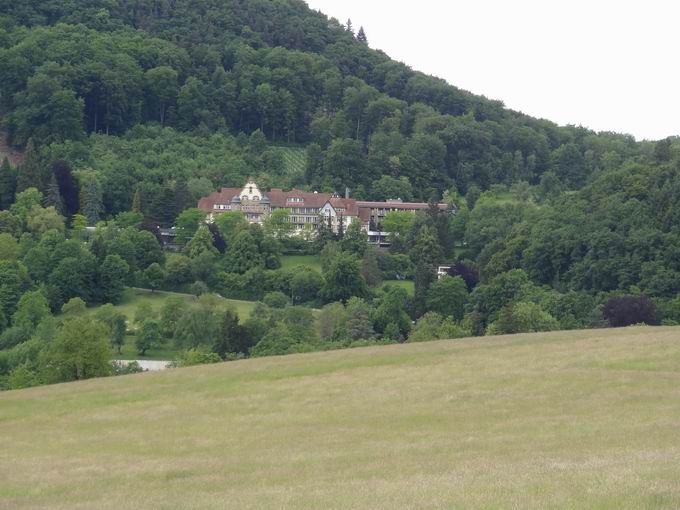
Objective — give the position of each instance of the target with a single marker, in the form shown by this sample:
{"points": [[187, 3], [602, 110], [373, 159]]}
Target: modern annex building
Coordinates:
{"points": [[307, 208]]}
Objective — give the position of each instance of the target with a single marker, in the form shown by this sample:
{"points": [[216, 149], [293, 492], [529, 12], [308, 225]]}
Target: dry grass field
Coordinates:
{"points": [[577, 420]]}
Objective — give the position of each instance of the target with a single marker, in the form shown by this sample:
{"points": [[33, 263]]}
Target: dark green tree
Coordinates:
{"points": [[154, 276], [342, 279], [8, 184], [29, 173], [148, 336], [355, 240], [448, 297], [53, 196], [92, 202], [112, 276], [201, 242], [231, 336], [161, 86], [361, 36], [68, 187]]}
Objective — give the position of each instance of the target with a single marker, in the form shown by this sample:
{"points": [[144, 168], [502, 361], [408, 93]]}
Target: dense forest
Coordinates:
{"points": [[128, 111]]}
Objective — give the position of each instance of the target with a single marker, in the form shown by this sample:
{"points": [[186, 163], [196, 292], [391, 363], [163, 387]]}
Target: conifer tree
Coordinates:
{"points": [[28, 173], [341, 227], [163, 209], [324, 233], [349, 27], [137, 201], [361, 36], [92, 202], [183, 198], [201, 242], [8, 184], [68, 187], [53, 196]]}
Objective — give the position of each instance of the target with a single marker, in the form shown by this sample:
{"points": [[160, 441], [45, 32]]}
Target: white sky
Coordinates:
{"points": [[607, 65]]}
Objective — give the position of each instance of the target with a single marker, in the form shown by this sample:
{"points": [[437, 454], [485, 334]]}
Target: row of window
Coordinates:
{"points": [[304, 219]]}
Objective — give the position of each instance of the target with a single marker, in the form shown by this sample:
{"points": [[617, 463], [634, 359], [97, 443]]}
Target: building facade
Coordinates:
{"points": [[307, 209]]}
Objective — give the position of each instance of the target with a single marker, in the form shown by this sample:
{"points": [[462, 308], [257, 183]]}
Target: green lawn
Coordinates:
{"points": [[293, 261], [132, 298], [404, 284], [585, 419], [129, 351]]}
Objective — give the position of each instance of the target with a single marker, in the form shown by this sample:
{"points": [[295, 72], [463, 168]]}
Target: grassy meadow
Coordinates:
{"points": [[294, 261], [577, 420], [409, 285]]}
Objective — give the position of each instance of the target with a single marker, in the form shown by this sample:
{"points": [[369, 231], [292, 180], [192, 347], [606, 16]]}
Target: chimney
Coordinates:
{"points": [[346, 192]]}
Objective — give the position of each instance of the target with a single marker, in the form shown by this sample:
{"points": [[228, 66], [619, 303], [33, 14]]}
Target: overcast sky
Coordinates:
{"points": [[607, 65]]}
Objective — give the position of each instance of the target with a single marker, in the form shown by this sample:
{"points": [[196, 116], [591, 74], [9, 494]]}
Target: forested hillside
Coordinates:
{"points": [[69, 69], [128, 111]]}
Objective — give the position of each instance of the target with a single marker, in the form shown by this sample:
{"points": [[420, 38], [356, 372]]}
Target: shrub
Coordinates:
{"points": [[433, 326], [523, 317], [467, 272], [197, 357], [395, 267], [276, 300], [448, 297], [198, 288], [623, 311]]}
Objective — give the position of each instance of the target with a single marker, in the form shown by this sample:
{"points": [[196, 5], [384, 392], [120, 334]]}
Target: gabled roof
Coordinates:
{"points": [[348, 204], [277, 197], [223, 196]]}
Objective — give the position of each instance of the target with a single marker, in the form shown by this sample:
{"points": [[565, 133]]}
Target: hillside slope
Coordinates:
{"points": [[276, 68], [560, 420]]}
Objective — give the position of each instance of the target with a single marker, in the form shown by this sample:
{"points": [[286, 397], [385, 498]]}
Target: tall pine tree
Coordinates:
{"points": [[8, 184], [163, 209], [28, 172], [183, 198], [68, 187], [349, 27], [92, 202], [361, 36], [53, 196]]}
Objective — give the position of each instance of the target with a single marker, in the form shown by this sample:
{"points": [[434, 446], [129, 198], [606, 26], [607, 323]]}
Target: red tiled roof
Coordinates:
{"points": [[277, 196], [365, 214], [280, 198], [223, 196], [348, 204]]}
